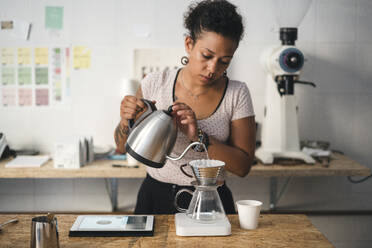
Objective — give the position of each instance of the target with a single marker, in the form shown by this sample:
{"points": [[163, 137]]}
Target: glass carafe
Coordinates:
{"points": [[205, 205]]}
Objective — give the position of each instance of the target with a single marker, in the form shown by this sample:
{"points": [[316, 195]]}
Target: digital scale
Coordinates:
{"points": [[112, 226], [186, 226]]}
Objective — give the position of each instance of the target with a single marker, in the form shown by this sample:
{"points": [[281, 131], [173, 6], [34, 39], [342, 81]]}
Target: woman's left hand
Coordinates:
{"points": [[186, 120]]}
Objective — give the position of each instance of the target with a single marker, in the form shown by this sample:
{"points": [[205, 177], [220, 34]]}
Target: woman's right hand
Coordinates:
{"points": [[130, 108]]}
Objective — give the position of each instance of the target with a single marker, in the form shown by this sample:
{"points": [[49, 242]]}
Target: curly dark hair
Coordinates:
{"points": [[218, 16]]}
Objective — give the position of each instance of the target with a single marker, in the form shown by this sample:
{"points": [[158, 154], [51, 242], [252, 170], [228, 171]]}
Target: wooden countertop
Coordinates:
{"points": [[273, 231], [340, 165]]}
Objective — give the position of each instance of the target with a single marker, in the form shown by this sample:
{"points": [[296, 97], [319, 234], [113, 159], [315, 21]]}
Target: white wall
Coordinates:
{"points": [[335, 35]]}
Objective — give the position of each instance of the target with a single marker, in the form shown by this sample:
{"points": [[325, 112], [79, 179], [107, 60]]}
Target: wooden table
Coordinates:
{"points": [[340, 165], [273, 231]]}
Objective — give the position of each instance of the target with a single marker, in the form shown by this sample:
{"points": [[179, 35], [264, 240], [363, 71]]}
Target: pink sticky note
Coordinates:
{"points": [[9, 96], [42, 97], [25, 97]]}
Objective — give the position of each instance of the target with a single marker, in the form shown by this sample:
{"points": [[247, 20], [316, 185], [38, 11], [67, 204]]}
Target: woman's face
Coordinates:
{"points": [[209, 56]]}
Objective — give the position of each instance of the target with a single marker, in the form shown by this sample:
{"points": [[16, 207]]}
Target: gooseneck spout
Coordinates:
{"points": [[184, 152]]}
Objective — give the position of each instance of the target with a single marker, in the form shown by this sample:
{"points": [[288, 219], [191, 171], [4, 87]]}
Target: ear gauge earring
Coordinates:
{"points": [[184, 60]]}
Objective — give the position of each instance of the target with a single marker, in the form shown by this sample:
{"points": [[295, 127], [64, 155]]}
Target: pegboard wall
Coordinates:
{"points": [[156, 59]]}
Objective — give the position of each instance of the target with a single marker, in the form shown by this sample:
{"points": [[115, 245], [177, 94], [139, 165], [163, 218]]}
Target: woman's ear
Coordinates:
{"points": [[189, 44]]}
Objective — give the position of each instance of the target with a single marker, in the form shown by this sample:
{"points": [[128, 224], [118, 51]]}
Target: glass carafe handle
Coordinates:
{"points": [[179, 209]]}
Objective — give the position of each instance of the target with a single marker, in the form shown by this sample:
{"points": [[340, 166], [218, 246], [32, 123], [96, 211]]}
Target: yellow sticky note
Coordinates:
{"points": [[7, 56], [41, 55], [85, 63], [24, 56], [76, 57], [82, 57]]}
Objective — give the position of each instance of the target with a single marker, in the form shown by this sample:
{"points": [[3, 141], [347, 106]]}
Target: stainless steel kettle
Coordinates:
{"points": [[152, 137]]}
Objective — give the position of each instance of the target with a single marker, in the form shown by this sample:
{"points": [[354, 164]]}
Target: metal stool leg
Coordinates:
{"points": [[274, 196], [114, 193]]}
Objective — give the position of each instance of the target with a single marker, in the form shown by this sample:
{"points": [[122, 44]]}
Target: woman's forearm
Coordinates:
{"points": [[237, 161], [122, 129], [121, 134]]}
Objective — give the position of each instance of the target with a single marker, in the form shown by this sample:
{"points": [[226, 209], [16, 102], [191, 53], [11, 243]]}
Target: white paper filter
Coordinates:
{"points": [[206, 163]]}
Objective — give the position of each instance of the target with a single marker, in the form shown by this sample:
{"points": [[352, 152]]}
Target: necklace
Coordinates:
{"points": [[189, 92]]}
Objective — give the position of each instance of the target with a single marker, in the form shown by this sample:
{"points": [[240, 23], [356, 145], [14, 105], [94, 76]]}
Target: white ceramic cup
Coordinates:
{"points": [[131, 160], [248, 211]]}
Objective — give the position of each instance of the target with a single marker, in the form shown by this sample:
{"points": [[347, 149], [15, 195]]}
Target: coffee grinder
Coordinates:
{"points": [[283, 64]]}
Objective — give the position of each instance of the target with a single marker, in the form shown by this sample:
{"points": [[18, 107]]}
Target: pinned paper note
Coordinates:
{"points": [[81, 57], [24, 56], [9, 96], [7, 76], [56, 74], [67, 52], [53, 17], [42, 97], [41, 55], [25, 97], [56, 57], [24, 75], [21, 29], [67, 74], [57, 91], [6, 25], [7, 56], [41, 75]]}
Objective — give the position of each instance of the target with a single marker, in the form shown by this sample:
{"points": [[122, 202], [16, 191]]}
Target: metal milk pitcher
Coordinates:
{"points": [[44, 232], [152, 137]]}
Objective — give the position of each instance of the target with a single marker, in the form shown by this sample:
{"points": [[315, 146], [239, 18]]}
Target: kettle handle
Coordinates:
{"points": [[150, 108], [184, 152]]}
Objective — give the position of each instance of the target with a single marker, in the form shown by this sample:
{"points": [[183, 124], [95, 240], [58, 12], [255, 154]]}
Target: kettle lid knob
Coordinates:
{"points": [[169, 110]]}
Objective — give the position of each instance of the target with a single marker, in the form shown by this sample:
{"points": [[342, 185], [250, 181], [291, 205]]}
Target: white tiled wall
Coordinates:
{"points": [[335, 36], [335, 21]]}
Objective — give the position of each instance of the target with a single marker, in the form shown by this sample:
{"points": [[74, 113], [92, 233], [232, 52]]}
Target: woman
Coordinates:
{"points": [[207, 105]]}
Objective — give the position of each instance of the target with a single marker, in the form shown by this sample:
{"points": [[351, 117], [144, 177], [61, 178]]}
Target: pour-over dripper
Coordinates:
{"points": [[206, 171]]}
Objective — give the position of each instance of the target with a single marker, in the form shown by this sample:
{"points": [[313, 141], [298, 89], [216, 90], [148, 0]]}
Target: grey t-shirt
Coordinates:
{"points": [[236, 104]]}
